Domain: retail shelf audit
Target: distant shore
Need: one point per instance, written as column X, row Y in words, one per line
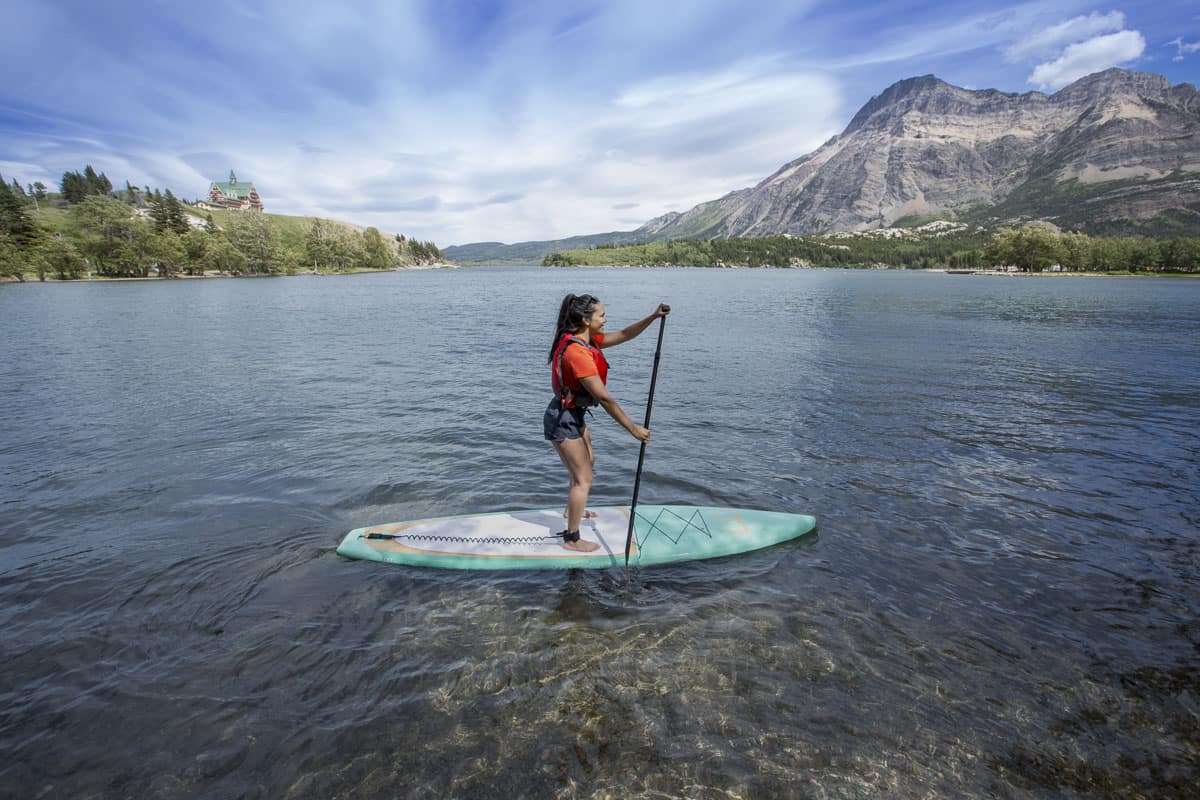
column 219, row 275
column 931, row 270
column 443, row 265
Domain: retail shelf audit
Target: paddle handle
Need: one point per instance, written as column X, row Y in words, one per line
column 637, row 480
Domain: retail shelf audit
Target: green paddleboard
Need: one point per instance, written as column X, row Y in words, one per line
column 526, row 539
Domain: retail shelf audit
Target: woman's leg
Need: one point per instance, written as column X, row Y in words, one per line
column 591, row 457
column 575, row 456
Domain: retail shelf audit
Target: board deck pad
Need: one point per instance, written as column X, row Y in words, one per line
column 527, row 540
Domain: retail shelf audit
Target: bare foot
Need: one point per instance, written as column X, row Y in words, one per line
column 583, row 546
column 587, row 514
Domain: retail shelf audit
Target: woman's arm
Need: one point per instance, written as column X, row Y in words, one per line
column 625, row 334
column 599, row 393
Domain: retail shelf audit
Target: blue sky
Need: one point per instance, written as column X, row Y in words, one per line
column 462, row 120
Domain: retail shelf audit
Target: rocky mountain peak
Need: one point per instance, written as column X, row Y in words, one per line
column 1114, row 81
column 925, row 147
column 926, row 93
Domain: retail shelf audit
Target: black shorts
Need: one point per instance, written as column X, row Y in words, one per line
column 563, row 423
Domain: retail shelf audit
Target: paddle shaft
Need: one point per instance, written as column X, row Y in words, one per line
column 637, row 481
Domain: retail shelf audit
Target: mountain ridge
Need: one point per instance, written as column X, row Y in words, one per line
column 1117, row 150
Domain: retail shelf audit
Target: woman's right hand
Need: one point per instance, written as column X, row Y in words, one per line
column 640, row 433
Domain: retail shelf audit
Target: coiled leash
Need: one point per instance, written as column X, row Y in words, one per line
column 566, row 536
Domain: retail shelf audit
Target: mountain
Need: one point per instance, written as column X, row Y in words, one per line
column 1114, row 152
column 1111, row 147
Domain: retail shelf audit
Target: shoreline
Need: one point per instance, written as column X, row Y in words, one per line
column 226, row 276
column 444, row 265
column 932, row 270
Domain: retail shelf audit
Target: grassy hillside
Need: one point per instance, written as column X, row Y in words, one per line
column 114, row 235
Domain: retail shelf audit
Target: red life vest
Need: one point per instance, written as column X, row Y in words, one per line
column 570, row 392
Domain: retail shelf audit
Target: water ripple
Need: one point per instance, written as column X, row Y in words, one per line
column 1000, row 600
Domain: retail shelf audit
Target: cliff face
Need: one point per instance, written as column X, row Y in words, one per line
column 1114, row 145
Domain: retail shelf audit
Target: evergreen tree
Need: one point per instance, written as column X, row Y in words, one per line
column 97, row 184
column 210, row 224
column 176, row 216
column 74, row 187
column 160, row 213
column 15, row 223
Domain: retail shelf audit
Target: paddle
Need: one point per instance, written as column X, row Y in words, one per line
column 637, row 481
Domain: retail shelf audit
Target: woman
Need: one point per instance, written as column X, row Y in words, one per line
column 579, row 371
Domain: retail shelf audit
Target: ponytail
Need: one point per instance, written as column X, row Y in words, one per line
column 571, row 315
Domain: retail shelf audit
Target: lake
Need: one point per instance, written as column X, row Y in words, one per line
column 1002, row 598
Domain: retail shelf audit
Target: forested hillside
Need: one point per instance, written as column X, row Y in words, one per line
column 1031, row 248
column 88, row 229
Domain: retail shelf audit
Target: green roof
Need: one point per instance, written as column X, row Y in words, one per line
column 239, row 189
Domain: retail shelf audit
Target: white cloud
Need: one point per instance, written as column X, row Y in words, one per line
column 1047, row 42
column 1084, row 58
column 1182, row 47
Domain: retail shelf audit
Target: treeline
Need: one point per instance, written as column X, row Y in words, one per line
column 1038, row 248
column 134, row 233
column 1031, row 248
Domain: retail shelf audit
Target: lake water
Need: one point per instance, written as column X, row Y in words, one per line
column 1002, row 599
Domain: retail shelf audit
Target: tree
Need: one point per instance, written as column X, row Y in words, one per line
column 97, row 184
column 377, row 253
column 176, row 216
column 1032, row 248
column 196, row 244
column 167, row 252
column 159, row 213
column 291, row 260
column 251, row 234
column 1076, row 251
column 416, row 251
column 1144, row 255
column 1036, row 248
column 62, row 258
column 104, row 226
column 137, row 253
column 74, row 187
column 318, row 244
column 12, row 260
column 1181, row 255
column 345, row 248
column 15, row 222
column 223, row 257
column 210, row 224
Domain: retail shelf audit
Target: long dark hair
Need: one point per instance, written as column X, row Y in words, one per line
column 575, row 309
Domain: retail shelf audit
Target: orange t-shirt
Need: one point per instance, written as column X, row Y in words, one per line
column 579, row 364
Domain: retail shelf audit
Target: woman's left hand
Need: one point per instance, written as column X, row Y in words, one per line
column 662, row 310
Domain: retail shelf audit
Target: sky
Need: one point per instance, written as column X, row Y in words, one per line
column 461, row 121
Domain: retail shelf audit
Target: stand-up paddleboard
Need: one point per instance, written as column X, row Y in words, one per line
column 528, row 540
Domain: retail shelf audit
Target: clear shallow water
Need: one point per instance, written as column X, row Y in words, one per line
column 1002, row 599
